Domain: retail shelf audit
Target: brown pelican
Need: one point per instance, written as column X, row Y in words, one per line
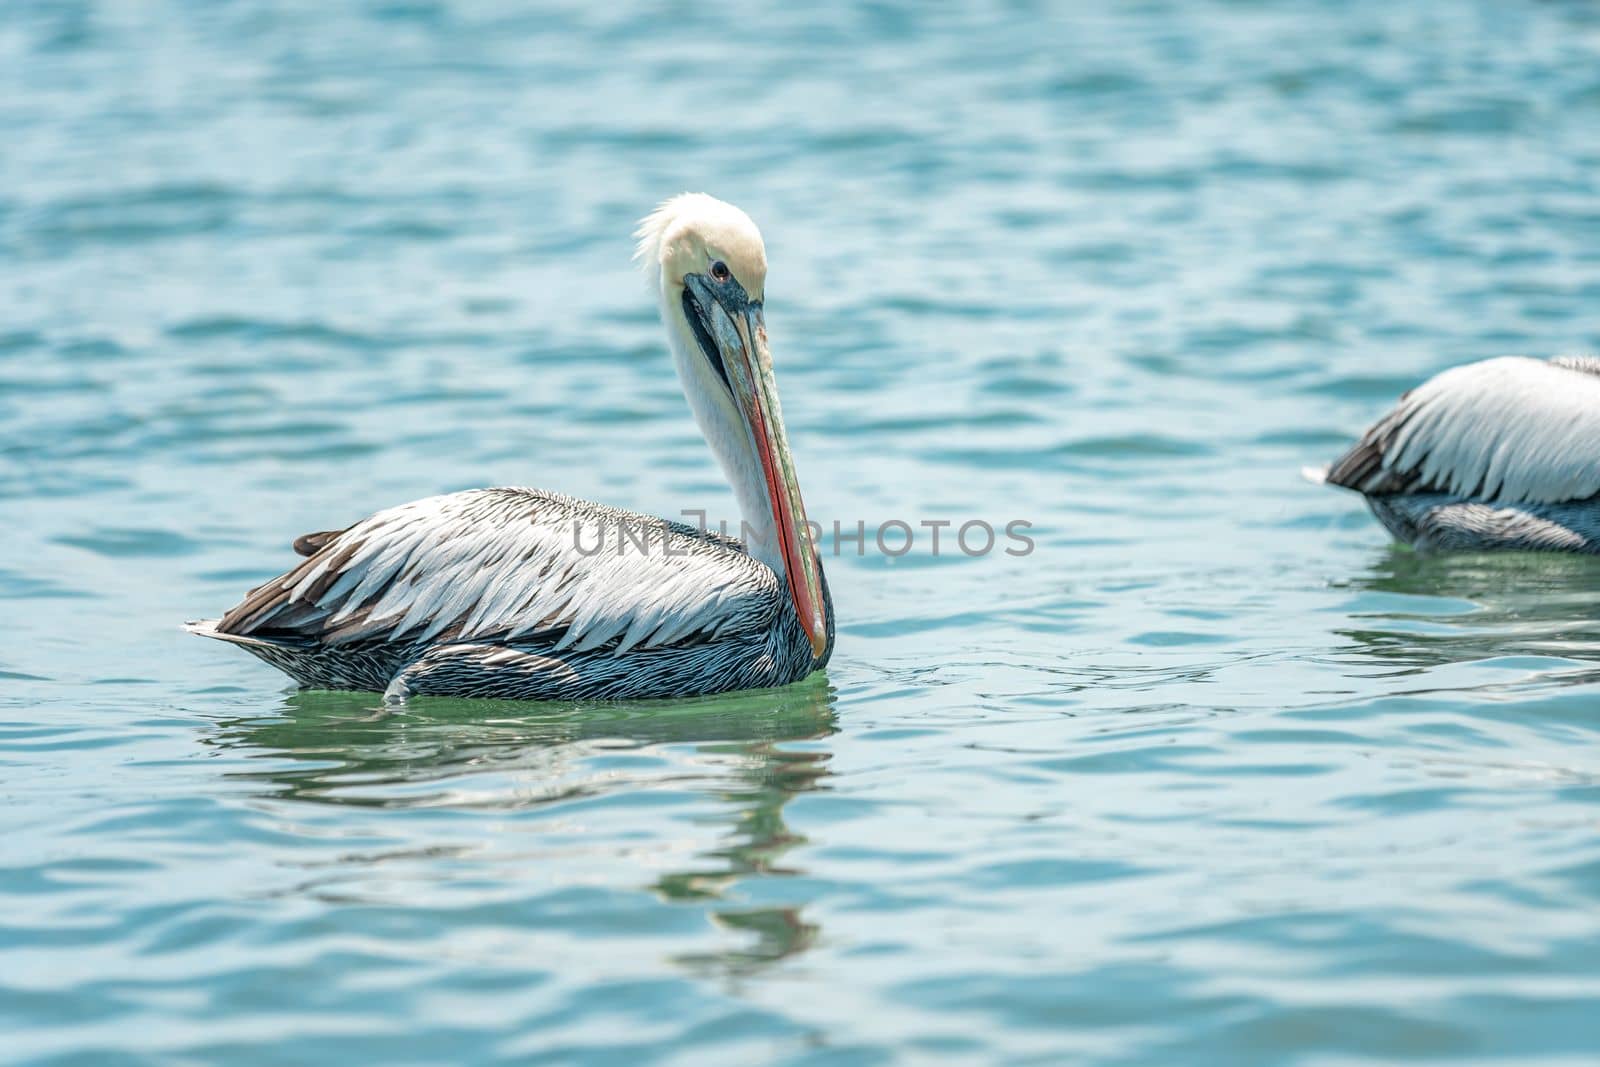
column 525, row 594
column 1502, row 454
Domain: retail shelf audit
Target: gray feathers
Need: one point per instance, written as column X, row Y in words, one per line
column 517, row 592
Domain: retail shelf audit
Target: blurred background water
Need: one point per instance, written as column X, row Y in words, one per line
column 1215, row 775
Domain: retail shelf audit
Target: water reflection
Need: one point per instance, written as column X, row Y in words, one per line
column 1419, row 611
column 736, row 750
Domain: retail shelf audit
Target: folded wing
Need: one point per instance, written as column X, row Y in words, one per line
column 1514, row 429
column 512, row 565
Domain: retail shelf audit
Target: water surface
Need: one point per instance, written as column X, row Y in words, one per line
column 1214, row 775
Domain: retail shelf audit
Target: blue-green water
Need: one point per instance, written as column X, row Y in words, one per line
column 1214, row 776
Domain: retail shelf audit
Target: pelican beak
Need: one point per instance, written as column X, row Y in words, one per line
column 737, row 330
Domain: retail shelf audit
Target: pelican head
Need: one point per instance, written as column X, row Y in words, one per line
column 709, row 268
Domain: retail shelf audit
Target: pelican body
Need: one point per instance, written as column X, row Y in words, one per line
column 1501, row 454
column 525, row 594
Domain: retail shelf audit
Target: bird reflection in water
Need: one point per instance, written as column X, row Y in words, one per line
column 1418, row 611
column 737, row 750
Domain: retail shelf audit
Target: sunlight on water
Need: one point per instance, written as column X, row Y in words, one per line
column 1213, row 775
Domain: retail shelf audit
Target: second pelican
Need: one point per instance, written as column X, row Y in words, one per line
column 1502, row 454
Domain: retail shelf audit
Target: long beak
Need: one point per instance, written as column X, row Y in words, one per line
column 740, row 335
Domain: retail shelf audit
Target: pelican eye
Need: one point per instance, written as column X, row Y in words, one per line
column 720, row 271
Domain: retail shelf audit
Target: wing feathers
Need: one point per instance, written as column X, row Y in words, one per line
column 1513, row 429
column 503, row 564
column 312, row 543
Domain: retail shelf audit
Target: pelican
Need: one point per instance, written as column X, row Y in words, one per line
column 529, row 595
column 1501, row 454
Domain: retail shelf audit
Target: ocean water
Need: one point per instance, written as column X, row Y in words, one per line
column 1214, row 775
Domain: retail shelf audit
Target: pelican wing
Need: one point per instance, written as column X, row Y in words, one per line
column 513, row 565
column 312, row 543
column 1512, row 429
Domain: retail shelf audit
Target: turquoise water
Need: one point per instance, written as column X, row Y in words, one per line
column 1214, row 776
